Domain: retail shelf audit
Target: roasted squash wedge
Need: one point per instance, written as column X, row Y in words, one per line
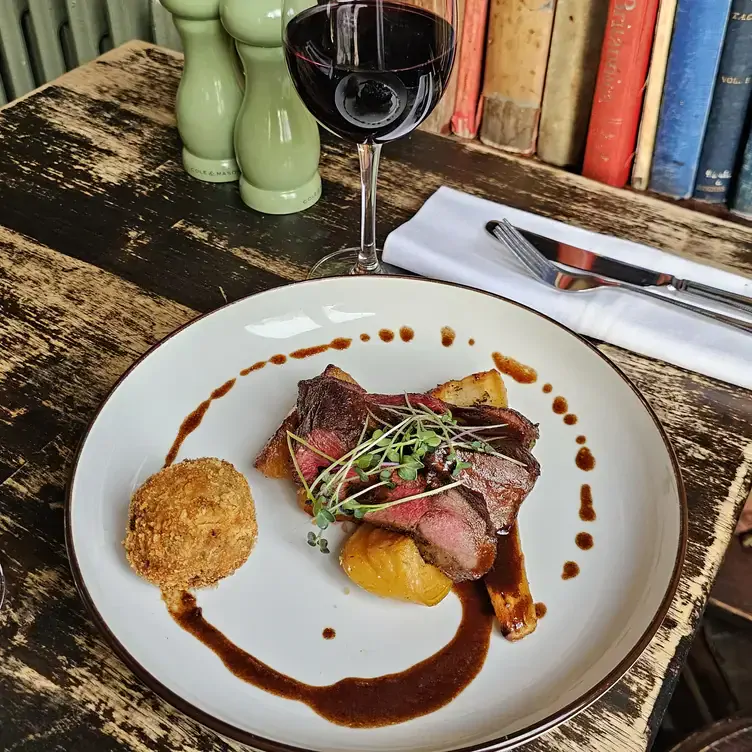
column 389, row 564
column 484, row 388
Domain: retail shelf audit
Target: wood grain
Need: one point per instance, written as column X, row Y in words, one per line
column 106, row 245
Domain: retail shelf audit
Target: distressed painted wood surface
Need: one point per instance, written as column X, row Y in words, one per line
column 106, row 246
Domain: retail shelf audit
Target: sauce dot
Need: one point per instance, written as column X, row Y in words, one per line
column 406, row 333
column 547, row 388
column 584, row 459
column 584, row 541
column 518, row 371
column 328, row 633
column 471, row 342
column 571, row 569
column 365, row 337
column 278, row 360
column 340, row 343
column 386, row 335
column 447, row 336
column 540, row 610
column 581, row 439
column 559, row 405
column 570, row 419
column 587, row 511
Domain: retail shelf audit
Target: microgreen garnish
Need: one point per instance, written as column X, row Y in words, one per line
column 393, row 449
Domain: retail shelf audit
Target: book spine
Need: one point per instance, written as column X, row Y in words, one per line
column 466, row 116
column 440, row 120
column 570, row 80
column 664, row 26
column 618, row 90
column 742, row 201
column 728, row 112
column 699, row 28
column 519, row 35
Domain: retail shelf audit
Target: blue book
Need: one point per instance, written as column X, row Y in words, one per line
column 699, row 28
column 742, row 203
column 729, row 109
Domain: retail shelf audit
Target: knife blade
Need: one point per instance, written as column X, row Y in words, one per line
column 588, row 261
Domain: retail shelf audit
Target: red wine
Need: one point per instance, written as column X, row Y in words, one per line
column 370, row 71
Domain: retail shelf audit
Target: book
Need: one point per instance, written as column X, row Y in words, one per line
column 742, row 200
column 699, row 28
column 651, row 105
column 440, row 120
column 467, row 111
column 617, row 101
column 570, row 80
column 519, row 35
column 728, row 112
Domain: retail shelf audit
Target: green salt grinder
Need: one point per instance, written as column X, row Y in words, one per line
column 276, row 138
column 210, row 92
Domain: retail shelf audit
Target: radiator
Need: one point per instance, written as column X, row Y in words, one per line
column 41, row 39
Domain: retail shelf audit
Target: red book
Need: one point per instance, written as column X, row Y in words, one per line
column 466, row 117
column 625, row 56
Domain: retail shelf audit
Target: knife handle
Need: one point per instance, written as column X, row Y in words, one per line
column 739, row 302
column 729, row 320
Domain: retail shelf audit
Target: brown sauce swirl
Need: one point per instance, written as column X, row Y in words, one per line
column 518, row 371
column 560, row 405
column 328, row 633
column 193, row 420
column 447, row 336
column 540, row 610
column 587, row 511
column 581, row 439
column 570, row 419
column 584, row 459
column 278, row 360
column 571, row 570
column 406, row 333
column 255, row 367
column 365, row 337
column 386, row 335
column 365, row 702
column 547, row 388
column 584, row 541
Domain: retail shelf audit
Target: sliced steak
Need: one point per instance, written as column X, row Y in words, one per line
column 451, row 528
column 331, row 415
column 517, row 426
column 501, row 483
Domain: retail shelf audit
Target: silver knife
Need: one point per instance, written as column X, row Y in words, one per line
column 588, row 261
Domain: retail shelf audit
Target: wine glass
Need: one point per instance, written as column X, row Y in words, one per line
column 370, row 71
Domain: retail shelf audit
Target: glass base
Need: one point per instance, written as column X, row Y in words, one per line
column 342, row 263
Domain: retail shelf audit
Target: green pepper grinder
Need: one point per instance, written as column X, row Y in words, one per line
column 210, row 92
column 276, row 138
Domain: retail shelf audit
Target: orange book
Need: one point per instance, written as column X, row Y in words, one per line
column 466, row 117
column 617, row 103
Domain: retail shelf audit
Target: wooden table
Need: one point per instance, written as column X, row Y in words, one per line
column 106, row 246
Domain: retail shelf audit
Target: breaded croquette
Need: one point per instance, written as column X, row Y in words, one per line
column 191, row 524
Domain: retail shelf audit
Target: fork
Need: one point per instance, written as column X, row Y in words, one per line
column 574, row 280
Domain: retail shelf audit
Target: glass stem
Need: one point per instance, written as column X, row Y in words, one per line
column 368, row 261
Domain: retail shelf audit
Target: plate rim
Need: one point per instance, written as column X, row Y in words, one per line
column 254, row 741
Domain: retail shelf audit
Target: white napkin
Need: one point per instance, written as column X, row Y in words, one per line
column 447, row 240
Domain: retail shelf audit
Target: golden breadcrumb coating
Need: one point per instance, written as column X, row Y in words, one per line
column 191, row 524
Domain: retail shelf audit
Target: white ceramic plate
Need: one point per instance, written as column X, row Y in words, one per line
column 278, row 603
